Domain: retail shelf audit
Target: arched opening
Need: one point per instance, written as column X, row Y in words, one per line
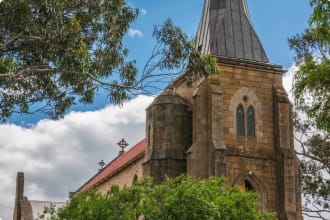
column 248, row 187
column 135, row 179
column 253, row 125
column 251, row 132
column 248, row 182
column 240, row 120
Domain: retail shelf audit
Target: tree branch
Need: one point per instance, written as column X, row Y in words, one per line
column 10, row 41
column 47, row 69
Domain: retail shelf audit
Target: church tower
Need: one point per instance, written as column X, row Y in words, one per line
column 241, row 121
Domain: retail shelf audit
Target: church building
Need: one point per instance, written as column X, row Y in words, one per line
column 237, row 125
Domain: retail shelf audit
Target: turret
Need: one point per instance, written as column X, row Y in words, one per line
column 168, row 132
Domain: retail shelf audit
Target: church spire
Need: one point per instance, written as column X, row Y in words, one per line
column 226, row 30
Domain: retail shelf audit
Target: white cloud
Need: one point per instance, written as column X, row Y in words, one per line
column 59, row 156
column 134, row 32
column 143, row 11
column 288, row 80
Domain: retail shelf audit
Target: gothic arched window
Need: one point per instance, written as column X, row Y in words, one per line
column 240, row 120
column 248, row 187
column 135, row 179
column 250, row 122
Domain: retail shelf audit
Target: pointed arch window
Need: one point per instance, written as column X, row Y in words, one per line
column 135, row 179
column 251, row 122
column 248, row 186
column 240, row 120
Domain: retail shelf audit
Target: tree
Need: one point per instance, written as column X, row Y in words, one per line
column 55, row 53
column 312, row 97
column 179, row 198
column 314, row 151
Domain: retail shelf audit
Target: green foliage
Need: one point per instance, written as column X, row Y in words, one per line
column 200, row 66
column 312, row 91
column 53, row 51
column 6, row 65
column 312, row 81
column 56, row 53
column 49, row 212
column 176, row 199
column 315, row 166
column 175, row 52
column 320, row 19
column 312, row 96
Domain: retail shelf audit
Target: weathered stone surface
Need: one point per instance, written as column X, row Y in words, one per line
column 254, row 159
column 197, row 135
column 194, row 130
column 168, row 136
column 124, row 177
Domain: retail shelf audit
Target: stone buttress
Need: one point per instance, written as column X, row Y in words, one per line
column 237, row 125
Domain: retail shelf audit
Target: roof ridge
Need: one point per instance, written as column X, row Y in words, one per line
column 114, row 165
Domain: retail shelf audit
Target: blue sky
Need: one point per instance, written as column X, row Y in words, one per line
column 69, row 149
column 274, row 21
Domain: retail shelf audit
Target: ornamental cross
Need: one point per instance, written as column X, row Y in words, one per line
column 122, row 144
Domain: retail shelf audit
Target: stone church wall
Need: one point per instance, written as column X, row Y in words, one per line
column 124, row 177
column 255, row 156
column 257, row 85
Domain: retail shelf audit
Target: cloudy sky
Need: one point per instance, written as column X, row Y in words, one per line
column 59, row 156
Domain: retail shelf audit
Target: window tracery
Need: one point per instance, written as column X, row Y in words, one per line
column 246, row 112
column 245, row 121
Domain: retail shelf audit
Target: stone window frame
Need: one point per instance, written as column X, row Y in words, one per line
column 250, row 100
column 257, row 186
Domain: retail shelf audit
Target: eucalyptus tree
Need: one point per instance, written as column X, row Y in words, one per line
column 312, row 97
column 55, row 53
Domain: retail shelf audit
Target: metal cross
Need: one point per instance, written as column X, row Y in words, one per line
column 245, row 98
column 122, row 144
column 101, row 164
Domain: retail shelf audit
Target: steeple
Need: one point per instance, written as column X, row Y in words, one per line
column 226, row 30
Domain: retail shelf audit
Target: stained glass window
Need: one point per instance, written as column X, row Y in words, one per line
column 250, row 122
column 240, row 120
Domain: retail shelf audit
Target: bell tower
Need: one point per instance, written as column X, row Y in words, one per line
column 237, row 125
column 242, row 120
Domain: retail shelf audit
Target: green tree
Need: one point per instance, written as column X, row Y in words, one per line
column 312, row 97
column 55, row 53
column 177, row 199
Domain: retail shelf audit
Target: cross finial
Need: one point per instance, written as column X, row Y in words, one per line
column 101, row 164
column 122, row 144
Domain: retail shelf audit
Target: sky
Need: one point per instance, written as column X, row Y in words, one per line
column 59, row 156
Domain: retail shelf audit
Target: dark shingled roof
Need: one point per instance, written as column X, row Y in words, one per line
column 226, row 30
